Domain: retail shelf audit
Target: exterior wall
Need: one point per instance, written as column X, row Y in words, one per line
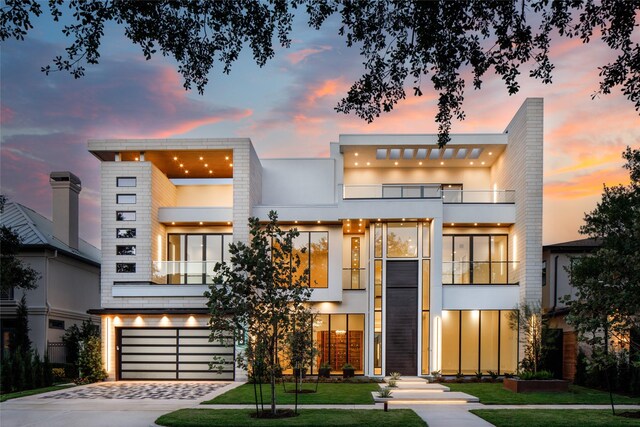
column 471, row 178
column 298, row 182
column 204, row 195
column 163, row 193
column 520, row 169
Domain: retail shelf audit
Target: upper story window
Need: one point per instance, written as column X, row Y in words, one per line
column 126, row 182
column 475, row 259
column 126, row 216
column 125, row 233
column 125, row 249
column 125, row 267
column 126, row 199
column 193, row 257
column 402, row 240
column 315, row 257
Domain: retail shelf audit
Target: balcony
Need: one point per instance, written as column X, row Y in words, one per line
column 480, row 273
column 427, row 191
column 183, row 272
column 354, row 278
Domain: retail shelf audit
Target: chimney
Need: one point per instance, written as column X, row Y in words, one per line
column 66, row 188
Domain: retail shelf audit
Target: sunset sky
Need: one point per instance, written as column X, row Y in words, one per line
column 286, row 108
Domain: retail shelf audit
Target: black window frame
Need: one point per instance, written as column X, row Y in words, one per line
column 118, row 230
column 120, row 248
column 471, row 261
column 122, row 266
column 204, row 252
column 135, row 198
column 120, row 216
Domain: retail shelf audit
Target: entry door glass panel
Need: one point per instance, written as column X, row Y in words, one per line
column 194, row 258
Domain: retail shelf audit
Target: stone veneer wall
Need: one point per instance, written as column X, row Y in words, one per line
column 520, row 169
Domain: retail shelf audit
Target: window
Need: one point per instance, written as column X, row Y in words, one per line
column 339, row 339
column 126, row 199
column 193, row 257
column 402, row 240
column 125, row 267
column 125, row 233
column 315, row 256
column 125, row 215
column 126, row 182
column 354, row 275
column 56, row 324
column 478, row 340
column 125, row 250
column 475, row 259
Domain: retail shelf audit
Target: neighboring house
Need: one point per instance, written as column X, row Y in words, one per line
column 69, row 269
column 556, row 284
column 417, row 254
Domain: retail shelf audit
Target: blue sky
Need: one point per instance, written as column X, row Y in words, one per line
column 286, row 108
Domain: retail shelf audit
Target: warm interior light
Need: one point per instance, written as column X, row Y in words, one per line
column 165, row 321
column 137, row 159
column 191, row 321
column 356, row 154
column 490, row 153
column 356, row 163
column 395, row 163
column 296, row 221
column 470, row 163
column 420, row 163
column 498, row 224
column 368, row 163
column 483, row 163
column 442, row 163
column 228, row 222
column 453, row 223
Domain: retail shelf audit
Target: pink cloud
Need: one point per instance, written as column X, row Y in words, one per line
column 302, row 54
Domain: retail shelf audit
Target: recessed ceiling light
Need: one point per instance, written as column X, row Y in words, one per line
column 470, row 163
column 206, row 165
column 356, row 154
column 403, row 219
column 226, row 157
column 490, row 153
column 356, row 163
column 200, row 222
column 475, row 223
column 201, row 158
column 296, row 221
column 453, row 223
column 186, row 171
column 420, row 163
column 175, row 158
column 181, row 165
column 318, row 222
column 395, row 163
column 442, row 163
column 173, row 223
column 230, row 165
column 498, row 223
column 482, row 163
column 210, row 172
column 379, row 219
column 137, row 159
column 368, row 163
column 228, row 222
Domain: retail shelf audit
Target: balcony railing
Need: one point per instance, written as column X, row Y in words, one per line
column 183, row 272
column 354, row 278
column 480, row 272
column 427, row 191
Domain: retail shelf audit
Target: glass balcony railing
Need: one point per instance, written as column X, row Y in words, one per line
column 480, row 273
column 183, row 272
column 427, row 191
column 354, row 278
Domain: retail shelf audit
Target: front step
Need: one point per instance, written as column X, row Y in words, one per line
column 417, row 385
column 427, row 397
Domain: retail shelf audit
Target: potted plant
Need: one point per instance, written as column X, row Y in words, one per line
column 325, row 370
column 348, row 371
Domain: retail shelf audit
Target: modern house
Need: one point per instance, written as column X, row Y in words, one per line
column 556, row 284
column 69, row 269
column 417, row 254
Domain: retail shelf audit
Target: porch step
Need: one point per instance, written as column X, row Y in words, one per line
column 426, row 396
column 417, row 385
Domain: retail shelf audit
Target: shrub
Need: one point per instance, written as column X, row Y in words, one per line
column 47, row 375
column 479, row 375
column 37, row 373
column 395, row 375
column 540, row 375
column 74, row 336
column 58, row 374
column 581, row 369
column 392, row 383
column 385, row 392
column 90, row 361
column 493, row 375
column 7, row 372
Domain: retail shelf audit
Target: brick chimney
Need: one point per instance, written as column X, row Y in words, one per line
column 66, row 188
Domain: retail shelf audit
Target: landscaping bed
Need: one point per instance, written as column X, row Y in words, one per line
column 306, row 417
column 328, row 393
column 494, row 394
column 554, row 417
column 527, row 386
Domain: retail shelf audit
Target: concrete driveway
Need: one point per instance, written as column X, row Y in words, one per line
column 122, row 404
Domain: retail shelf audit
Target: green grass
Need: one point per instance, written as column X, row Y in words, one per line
column 328, row 394
column 24, row 393
column 307, row 417
column 494, row 394
column 554, row 417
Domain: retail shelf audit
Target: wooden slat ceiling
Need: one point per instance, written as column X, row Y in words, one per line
column 188, row 164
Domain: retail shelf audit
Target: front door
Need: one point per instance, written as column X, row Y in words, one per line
column 402, row 317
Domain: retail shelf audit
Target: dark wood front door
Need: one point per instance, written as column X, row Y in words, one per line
column 402, row 317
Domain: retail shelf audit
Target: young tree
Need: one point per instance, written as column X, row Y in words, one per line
column 402, row 42
column 19, row 341
column 74, row 336
column 606, row 308
column 261, row 292
column 13, row 272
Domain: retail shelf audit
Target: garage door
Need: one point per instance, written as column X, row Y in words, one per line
column 171, row 354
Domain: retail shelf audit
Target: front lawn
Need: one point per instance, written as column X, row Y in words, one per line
column 494, row 394
column 24, row 393
column 554, row 417
column 328, row 394
column 307, row 417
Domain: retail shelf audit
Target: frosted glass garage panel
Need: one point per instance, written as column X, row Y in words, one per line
column 194, row 333
column 194, row 367
column 210, row 375
column 147, row 357
column 149, row 367
column 196, row 341
column 148, row 341
column 204, row 350
column 149, row 332
column 148, row 349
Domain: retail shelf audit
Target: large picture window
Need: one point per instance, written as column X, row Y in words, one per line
column 402, row 240
column 339, row 339
column 192, row 257
column 475, row 260
column 478, row 340
column 315, row 256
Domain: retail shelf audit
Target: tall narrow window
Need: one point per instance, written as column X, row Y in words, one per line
column 377, row 240
column 355, row 264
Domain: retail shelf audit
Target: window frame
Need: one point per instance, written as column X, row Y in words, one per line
column 126, row 237
column 120, row 266
column 120, row 180
column 121, row 247
column 121, row 213
column 450, row 258
column 120, row 197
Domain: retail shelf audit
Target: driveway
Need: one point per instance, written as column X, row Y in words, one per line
column 122, row 404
